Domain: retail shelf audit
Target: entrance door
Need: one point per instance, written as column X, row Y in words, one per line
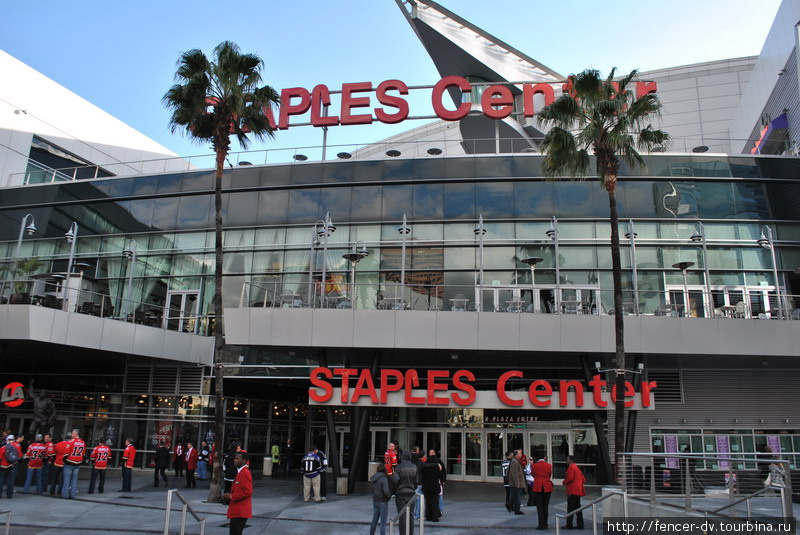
column 380, row 443
column 465, row 455
column 497, row 444
column 181, row 312
column 555, row 446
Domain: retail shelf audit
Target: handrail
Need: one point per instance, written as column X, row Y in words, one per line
column 8, row 521
column 407, row 511
column 740, row 500
column 186, row 508
column 593, row 505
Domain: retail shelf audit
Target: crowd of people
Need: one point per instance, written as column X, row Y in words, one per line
column 535, row 478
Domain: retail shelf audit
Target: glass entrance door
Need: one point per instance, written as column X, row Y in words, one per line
column 554, row 446
column 181, row 312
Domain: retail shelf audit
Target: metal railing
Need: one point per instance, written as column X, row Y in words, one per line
column 575, row 299
column 7, row 529
column 418, row 498
column 44, row 293
column 651, row 475
column 185, row 508
column 593, row 506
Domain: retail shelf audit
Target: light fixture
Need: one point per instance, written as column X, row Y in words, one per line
column 70, row 235
column 300, row 157
column 700, row 148
column 241, row 163
column 393, row 153
column 344, row 155
column 434, row 151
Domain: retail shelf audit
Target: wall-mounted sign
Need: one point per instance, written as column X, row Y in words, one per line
column 455, row 388
column 363, row 102
column 13, row 395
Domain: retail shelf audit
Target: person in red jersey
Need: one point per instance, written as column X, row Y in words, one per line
column 35, row 456
column 72, row 464
column 191, row 465
column 240, row 499
column 99, row 458
column 390, row 459
column 60, row 452
column 49, row 455
column 128, row 457
column 573, row 481
column 10, row 454
column 542, row 489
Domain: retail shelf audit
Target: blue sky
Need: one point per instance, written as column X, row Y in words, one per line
column 121, row 55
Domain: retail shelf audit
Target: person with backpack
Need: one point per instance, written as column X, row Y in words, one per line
column 10, row 454
column 310, row 466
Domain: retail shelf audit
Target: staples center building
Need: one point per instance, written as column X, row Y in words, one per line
column 432, row 289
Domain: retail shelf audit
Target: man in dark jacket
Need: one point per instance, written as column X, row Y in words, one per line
column 405, row 479
column 516, row 480
column 504, row 465
column 381, row 494
column 161, row 463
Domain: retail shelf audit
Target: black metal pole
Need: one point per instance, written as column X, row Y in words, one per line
column 333, row 438
column 599, row 429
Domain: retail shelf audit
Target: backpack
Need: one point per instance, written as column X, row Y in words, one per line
column 12, row 454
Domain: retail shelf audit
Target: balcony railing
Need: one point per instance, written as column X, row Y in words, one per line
column 567, row 299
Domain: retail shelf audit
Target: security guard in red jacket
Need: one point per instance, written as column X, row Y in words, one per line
column 574, row 480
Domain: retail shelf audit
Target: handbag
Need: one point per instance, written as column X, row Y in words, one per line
column 768, row 481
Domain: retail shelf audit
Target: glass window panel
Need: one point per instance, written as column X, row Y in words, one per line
column 273, row 207
column 427, row 258
column 459, row 201
column 367, row 171
column 245, row 176
column 238, row 238
column 337, row 202
column 303, row 206
column 306, row 173
column 296, row 260
column 578, row 197
column 142, row 211
column 145, row 185
column 788, row 231
column 267, row 261
column 270, row 236
column 398, row 169
column 190, row 241
column 237, row 262
column 159, row 242
column 428, row 201
column 750, row 200
column 120, row 187
column 720, row 231
column 749, row 231
column 460, row 258
column 577, row 257
column 195, row 212
column 397, row 200
column 581, row 231
column 337, row 172
column 495, row 200
column 493, row 167
column 459, row 231
column 460, row 167
column 715, row 200
column 242, row 208
column 724, row 258
column 299, row 236
column 198, row 181
column 370, row 234
column 155, row 266
column 430, row 168
column 431, row 232
column 366, row 202
column 533, row 199
column 498, row 258
column 187, row 265
column 756, row 258
column 169, row 183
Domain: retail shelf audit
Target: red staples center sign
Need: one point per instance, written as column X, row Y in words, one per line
column 454, row 389
column 363, row 102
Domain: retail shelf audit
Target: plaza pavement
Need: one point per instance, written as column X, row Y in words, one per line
column 278, row 508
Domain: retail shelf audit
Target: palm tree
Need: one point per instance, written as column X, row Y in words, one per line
column 602, row 116
column 211, row 100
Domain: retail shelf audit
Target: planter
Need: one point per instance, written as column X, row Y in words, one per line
column 19, row 299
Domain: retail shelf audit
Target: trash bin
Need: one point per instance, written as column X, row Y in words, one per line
column 371, row 469
column 267, row 470
column 341, row 486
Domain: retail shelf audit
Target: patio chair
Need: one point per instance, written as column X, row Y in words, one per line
column 741, row 310
column 628, row 306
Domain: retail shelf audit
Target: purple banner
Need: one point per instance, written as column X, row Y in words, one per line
column 723, row 447
column 671, row 446
column 774, row 443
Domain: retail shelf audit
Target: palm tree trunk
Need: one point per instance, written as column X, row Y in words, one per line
column 619, row 332
column 214, row 491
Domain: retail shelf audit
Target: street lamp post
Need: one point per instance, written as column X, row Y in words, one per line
column 683, row 266
column 532, row 261
column 404, row 230
column 552, row 233
column 631, row 235
column 130, row 254
column 324, row 233
column 700, row 236
column 479, row 232
column 72, row 238
column 30, row 228
column 354, row 257
column 766, row 242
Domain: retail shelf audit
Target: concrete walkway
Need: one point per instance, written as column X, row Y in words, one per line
column 278, row 508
